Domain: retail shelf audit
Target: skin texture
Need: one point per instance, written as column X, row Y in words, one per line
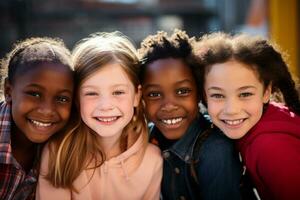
column 41, row 101
column 235, row 97
column 170, row 95
column 107, row 100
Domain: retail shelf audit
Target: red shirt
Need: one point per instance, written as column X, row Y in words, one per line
column 271, row 153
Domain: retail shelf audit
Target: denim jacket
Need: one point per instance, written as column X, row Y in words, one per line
column 216, row 165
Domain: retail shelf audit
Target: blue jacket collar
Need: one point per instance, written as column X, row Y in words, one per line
column 184, row 147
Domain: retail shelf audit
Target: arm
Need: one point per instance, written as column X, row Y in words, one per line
column 45, row 190
column 219, row 170
column 153, row 190
column 277, row 164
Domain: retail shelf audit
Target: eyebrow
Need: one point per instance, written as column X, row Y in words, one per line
column 146, row 86
column 214, row 88
column 184, row 81
column 112, row 86
column 247, row 87
column 241, row 88
column 158, row 85
column 43, row 88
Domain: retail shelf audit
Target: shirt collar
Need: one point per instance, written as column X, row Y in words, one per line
column 183, row 148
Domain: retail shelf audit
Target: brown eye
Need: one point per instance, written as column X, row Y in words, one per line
column 63, row 99
column 183, row 91
column 154, row 94
column 246, row 94
column 118, row 92
column 34, row 94
column 217, row 96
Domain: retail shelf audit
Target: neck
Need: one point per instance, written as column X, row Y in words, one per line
column 19, row 140
column 111, row 146
column 23, row 149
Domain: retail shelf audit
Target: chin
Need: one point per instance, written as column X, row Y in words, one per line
column 234, row 136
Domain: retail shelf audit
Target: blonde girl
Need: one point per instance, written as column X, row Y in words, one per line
column 105, row 154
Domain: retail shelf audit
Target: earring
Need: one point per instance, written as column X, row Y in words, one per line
column 134, row 118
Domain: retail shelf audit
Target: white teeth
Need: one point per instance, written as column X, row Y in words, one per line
column 172, row 121
column 234, row 122
column 107, row 119
column 37, row 123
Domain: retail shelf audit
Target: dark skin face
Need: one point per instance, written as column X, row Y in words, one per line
column 41, row 99
column 170, row 95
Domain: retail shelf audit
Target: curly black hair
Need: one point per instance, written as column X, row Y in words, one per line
column 161, row 46
column 262, row 56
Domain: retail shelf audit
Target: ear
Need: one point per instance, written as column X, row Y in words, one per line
column 267, row 93
column 138, row 96
column 7, row 90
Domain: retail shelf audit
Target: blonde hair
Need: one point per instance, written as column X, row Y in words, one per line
column 79, row 147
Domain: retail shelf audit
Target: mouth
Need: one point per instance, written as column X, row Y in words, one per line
column 107, row 120
column 233, row 123
column 172, row 121
column 40, row 124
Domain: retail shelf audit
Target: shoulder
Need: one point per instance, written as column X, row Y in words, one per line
column 44, row 159
column 153, row 150
column 217, row 145
column 273, row 153
column 217, row 141
column 272, row 145
column 153, row 154
column 278, row 112
column 218, row 150
column 274, row 158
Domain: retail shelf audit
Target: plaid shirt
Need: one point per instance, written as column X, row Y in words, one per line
column 15, row 184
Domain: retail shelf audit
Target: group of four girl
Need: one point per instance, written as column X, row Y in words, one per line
column 78, row 125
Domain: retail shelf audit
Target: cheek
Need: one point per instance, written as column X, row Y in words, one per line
column 85, row 107
column 65, row 111
column 22, row 106
column 255, row 109
column 127, row 105
column 213, row 109
column 150, row 109
column 192, row 107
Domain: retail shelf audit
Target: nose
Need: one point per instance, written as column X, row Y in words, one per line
column 105, row 103
column 232, row 107
column 169, row 104
column 47, row 107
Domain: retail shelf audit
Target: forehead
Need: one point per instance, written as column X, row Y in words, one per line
column 232, row 73
column 46, row 75
column 43, row 69
column 112, row 73
column 167, row 70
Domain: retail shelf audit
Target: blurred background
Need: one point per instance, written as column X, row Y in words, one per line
column 72, row 20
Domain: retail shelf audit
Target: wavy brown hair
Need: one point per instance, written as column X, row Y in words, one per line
column 259, row 54
column 79, row 149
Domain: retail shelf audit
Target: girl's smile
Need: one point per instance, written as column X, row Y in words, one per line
column 107, row 99
column 234, row 124
column 235, row 97
column 170, row 95
column 41, row 106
